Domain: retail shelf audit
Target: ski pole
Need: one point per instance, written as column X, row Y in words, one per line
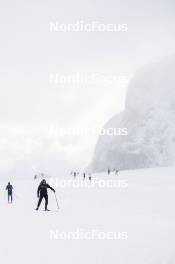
column 56, row 201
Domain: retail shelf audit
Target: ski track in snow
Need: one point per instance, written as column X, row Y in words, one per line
column 144, row 210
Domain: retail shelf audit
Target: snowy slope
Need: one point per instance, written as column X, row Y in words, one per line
column 149, row 117
column 142, row 207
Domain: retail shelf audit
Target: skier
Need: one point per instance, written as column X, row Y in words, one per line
column 75, row 174
column 116, row 172
column 9, row 189
column 42, row 193
column 84, row 176
column 109, row 171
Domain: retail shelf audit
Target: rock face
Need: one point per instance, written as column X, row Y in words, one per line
column 149, row 117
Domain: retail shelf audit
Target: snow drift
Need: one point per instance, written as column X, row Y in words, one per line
column 149, row 116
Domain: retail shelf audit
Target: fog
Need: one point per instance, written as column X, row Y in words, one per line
column 34, row 107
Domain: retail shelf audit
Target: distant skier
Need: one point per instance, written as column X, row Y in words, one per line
column 9, row 189
column 116, row 172
column 90, row 178
column 42, row 193
column 84, row 176
column 75, row 174
column 109, row 171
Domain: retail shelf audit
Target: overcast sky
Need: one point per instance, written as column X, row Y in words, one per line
column 30, row 54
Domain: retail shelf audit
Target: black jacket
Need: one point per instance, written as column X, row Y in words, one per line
column 42, row 189
column 9, row 188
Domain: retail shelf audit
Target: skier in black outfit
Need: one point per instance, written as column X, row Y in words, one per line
column 9, row 189
column 116, row 172
column 42, row 193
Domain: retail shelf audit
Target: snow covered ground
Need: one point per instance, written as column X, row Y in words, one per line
column 141, row 206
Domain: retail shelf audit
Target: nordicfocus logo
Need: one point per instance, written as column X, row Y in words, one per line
column 94, row 183
column 81, row 26
column 78, row 78
column 55, row 131
column 81, row 234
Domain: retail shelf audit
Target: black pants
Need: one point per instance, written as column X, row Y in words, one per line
column 40, row 200
column 10, row 197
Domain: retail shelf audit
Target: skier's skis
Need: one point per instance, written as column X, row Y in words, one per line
column 46, row 210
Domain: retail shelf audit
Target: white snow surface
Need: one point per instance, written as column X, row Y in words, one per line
column 149, row 117
column 144, row 209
